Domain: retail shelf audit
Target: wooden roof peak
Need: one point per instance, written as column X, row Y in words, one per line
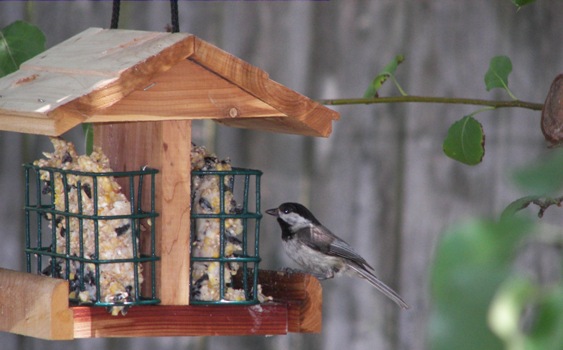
column 109, row 75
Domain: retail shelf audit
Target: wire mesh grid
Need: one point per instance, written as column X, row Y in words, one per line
column 72, row 234
column 225, row 231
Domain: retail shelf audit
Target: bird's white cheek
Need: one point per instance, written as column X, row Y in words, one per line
column 295, row 221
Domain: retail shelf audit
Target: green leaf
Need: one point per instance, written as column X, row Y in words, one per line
column 19, row 42
column 544, row 177
column 517, row 205
column 507, row 308
column 542, row 202
column 520, row 3
column 88, row 137
column 388, row 71
column 497, row 74
column 471, row 262
column 465, row 141
column 547, row 330
column 544, row 329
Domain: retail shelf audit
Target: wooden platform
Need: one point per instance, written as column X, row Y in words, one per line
column 46, row 314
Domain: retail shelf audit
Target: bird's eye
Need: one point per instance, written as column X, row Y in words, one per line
column 286, row 210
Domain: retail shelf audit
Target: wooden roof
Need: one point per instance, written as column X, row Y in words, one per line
column 103, row 75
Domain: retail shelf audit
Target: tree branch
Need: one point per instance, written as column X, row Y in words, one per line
column 428, row 99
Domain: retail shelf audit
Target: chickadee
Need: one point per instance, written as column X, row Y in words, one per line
column 320, row 252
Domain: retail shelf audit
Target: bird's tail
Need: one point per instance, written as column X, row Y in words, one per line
column 379, row 285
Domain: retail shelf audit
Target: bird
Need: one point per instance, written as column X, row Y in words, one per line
column 320, row 252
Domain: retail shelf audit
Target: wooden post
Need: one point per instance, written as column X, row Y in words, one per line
column 166, row 146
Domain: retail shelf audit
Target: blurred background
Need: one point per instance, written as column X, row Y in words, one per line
column 380, row 181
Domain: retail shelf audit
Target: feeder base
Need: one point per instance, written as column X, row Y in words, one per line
column 296, row 307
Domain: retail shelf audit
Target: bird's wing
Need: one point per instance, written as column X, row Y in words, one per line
column 320, row 238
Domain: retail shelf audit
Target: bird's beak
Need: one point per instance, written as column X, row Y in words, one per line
column 273, row 212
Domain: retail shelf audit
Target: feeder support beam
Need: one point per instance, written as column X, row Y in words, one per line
column 165, row 146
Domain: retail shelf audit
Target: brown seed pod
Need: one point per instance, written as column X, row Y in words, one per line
column 552, row 113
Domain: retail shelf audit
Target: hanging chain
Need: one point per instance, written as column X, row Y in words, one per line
column 174, row 13
column 173, row 10
column 115, row 14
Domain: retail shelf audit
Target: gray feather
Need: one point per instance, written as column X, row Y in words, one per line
column 322, row 239
column 379, row 285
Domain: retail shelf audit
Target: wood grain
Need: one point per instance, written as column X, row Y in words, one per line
column 57, row 89
column 188, row 320
column 296, row 308
column 44, row 313
column 34, row 305
column 174, row 48
column 103, row 75
column 164, row 146
column 187, row 90
column 303, row 295
column 306, row 117
column 301, row 292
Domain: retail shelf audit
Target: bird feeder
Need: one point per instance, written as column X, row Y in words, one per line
column 141, row 90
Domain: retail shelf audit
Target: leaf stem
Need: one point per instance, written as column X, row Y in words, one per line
column 398, row 86
column 483, row 109
column 507, row 89
column 430, row 99
column 511, row 94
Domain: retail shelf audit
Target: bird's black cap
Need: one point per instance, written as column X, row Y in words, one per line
column 291, row 207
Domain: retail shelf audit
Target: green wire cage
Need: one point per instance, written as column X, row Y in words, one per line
column 79, row 226
column 225, row 229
